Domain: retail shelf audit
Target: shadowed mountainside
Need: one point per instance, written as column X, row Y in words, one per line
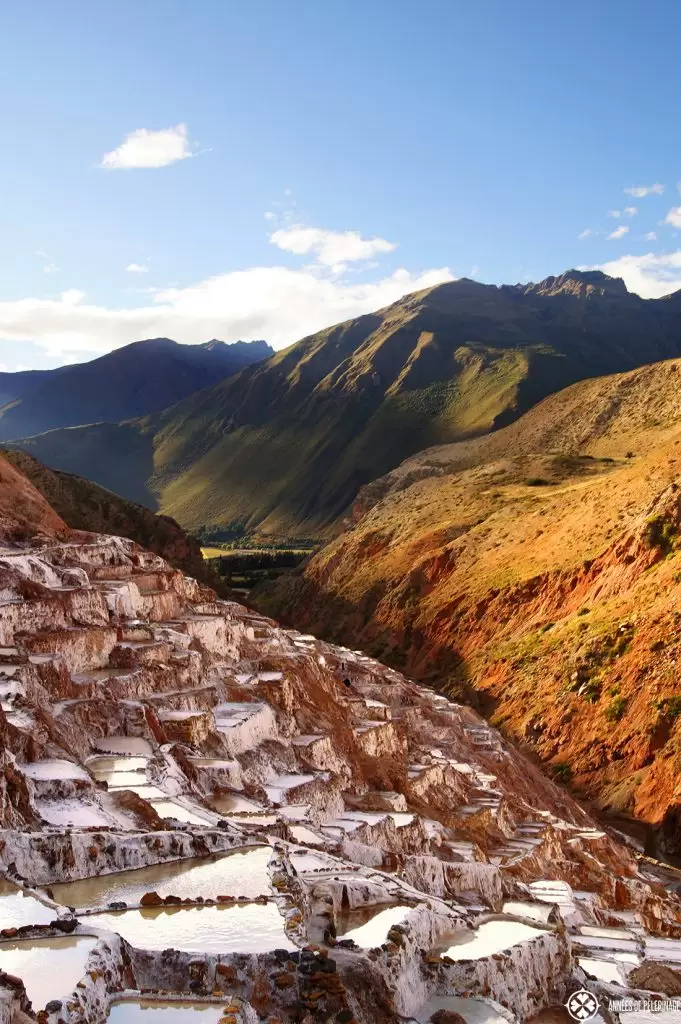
column 283, row 447
column 131, row 381
column 537, row 572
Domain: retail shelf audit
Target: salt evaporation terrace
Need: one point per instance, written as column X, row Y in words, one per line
column 208, row 817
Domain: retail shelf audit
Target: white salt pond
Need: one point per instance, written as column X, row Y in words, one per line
column 491, row 937
column 149, row 1012
column 369, row 926
column 46, row 771
column 171, row 809
column 119, row 772
column 251, row 928
column 234, row 803
column 473, row 1010
column 241, row 873
column 18, row 908
column 604, row 970
column 49, row 968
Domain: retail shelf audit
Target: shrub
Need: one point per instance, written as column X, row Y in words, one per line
column 615, row 709
column 537, row 481
column 562, row 772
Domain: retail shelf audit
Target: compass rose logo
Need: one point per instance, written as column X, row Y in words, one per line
column 582, row 1005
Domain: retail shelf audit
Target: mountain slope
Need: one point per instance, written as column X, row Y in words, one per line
column 84, row 506
column 131, row 381
column 537, row 572
column 283, row 447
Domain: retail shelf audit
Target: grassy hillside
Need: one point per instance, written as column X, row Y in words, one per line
column 283, row 447
column 537, row 573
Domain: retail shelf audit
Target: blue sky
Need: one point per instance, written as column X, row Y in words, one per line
column 392, row 144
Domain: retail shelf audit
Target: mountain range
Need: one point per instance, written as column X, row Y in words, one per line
column 134, row 380
column 283, row 446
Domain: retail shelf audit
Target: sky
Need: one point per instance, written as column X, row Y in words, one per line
column 265, row 169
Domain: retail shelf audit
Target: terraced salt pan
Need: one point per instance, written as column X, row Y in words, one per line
column 46, row 771
column 491, row 937
column 250, row 928
column 239, row 873
column 147, row 1012
column 533, row 911
column 473, row 1011
column 18, row 908
column 369, row 926
column 234, row 803
column 279, row 787
column 604, row 970
column 49, row 968
column 305, row 836
column 72, row 812
column 171, row 809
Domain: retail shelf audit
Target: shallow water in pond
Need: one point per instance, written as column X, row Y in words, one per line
column 255, row 928
column 369, row 926
column 234, row 803
column 491, row 937
column 119, row 771
column 242, row 873
column 473, row 1011
column 18, row 908
column 49, row 968
column 172, row 809
column 148, row 1012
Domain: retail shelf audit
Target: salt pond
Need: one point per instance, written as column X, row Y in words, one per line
column 49, row 968
column 251, row 928
column 18, row 908
column 148, row 1012
column 234, row 803
column 369, row 926
column 491, row 937
column 241, row 873
column 473, row 1011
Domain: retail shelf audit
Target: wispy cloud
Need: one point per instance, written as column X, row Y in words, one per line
column 641, row 191
column 650, row 236
column 137, row 268
column 630, row 211
column 50, row 268
column 674, row 217
column 332, row 248
column 585, row 234
column 148, row 149
column 618, row 232
column 649, row 275
column 614, row 213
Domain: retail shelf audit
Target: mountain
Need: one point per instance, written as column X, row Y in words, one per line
column 131, row 381
column 84, row 506
column 284, row 446
column 536, row 572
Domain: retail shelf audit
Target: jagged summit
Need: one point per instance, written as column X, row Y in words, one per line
column 579, row 283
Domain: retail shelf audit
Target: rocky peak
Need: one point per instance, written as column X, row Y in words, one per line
column 578, row 283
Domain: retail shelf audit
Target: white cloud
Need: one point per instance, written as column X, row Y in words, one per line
column 137, row 268
column 650, row 275
column 619, row 232
column 640, row 191
column 674, row 217
column 144, row 148
column 614, row 213
column 630, row 211
column 276, row 303
column 585, row 234
column 332, row 248
column 651, row 236
column 50, row 268
column 270, row 216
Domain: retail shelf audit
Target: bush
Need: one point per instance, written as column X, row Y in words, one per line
column 537, row 481
column 616, row 709
column 562, row 772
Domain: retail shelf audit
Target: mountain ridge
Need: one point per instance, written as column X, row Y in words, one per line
column 283, row 447
column 134, row 380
